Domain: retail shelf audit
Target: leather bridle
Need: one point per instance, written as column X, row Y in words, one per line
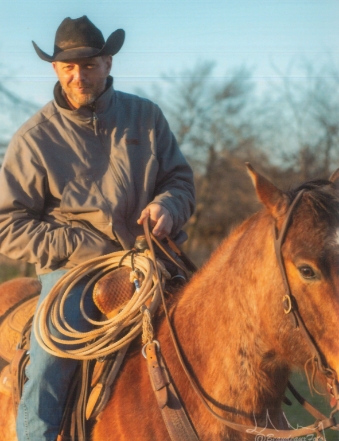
column 290, row 307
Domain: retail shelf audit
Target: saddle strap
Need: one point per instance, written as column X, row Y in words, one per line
column 67, row 430
column 174, row 415
column 63, row 438
column 17, row 369
column 82, row 401
column 101, row 391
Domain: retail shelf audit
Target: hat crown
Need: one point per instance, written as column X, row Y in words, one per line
column 79, row 38
column 75, row 33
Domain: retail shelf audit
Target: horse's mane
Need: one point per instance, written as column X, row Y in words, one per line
column 322, row 197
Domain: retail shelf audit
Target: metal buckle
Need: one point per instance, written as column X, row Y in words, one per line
column 143, row 351
column 289, row 303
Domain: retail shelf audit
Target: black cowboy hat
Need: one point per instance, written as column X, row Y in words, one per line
column 80, row 38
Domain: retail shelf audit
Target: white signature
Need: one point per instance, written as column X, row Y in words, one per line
column 259, row 436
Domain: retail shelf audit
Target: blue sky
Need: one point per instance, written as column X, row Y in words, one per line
column 168, row 36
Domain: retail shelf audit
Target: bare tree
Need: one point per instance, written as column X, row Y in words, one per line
column 301, row 120
column 14, row 111
column 212, row 120
column 290, row 133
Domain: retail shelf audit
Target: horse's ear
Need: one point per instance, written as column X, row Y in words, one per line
column 274, row 199
column 335, row 178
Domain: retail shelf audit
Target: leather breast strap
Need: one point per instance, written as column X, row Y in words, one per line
column 176, row 420
column 179, row 426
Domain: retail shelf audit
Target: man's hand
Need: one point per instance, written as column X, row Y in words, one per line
column 161, row 219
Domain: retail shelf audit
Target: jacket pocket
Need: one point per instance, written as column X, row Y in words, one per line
column 83, row 205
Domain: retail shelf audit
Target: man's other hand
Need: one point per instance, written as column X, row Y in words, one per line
column 160, row 217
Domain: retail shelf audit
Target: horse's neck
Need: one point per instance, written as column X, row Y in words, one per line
column 225, row 325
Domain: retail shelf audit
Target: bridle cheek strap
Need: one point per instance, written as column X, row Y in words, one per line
column 279, row 238
column 291, row 306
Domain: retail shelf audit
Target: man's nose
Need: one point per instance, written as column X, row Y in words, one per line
column 78, row 73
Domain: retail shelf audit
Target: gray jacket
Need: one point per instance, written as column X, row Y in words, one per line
column 74, row 182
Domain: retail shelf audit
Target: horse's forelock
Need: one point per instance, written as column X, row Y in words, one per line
column 334, row 240
column 323, row 198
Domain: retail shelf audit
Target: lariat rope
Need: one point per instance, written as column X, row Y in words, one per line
column 106, row 336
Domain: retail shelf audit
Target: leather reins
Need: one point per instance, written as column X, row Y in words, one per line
column 288, row 298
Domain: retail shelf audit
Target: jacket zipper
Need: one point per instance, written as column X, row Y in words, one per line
column 95, row 123
column 111, row 163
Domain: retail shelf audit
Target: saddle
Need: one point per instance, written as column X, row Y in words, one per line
column 91, row 387
column 110, row 294
column 93, row 381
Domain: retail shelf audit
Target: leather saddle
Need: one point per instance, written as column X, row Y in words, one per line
column 94, row 380
column 110, row 294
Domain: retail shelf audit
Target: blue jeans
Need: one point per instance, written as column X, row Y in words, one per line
column 45, row 393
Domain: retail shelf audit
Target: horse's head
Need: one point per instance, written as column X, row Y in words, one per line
column 308, row 245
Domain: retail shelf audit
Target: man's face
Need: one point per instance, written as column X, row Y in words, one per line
column 83, row 80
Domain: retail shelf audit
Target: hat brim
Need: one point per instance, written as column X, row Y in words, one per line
column 111, row 47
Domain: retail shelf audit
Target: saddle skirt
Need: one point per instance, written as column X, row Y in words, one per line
column 11, row 330
column 12, row 326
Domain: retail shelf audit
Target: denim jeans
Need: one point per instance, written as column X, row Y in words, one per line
column 45, row 393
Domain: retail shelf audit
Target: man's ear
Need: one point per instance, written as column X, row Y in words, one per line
column 268, row 194
column 335, row 178
column 109, row 63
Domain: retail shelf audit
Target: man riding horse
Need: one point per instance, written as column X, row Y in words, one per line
column 78, row 179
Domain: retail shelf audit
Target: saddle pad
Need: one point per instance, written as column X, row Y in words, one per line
column 12, row 325
column 113, row 291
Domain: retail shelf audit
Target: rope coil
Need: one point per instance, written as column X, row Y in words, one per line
column 101, row 340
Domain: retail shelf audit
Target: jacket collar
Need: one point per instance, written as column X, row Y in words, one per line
column 99, row 106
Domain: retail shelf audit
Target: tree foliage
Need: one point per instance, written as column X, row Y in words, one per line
column 302, row 120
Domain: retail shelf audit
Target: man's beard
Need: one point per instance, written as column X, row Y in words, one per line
column 84, row 99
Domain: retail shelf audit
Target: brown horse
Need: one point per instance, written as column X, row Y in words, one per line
column 236, row 339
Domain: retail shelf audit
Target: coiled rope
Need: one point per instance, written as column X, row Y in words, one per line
column 105, row 336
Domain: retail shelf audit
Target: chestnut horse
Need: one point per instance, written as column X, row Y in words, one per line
column 237, row 341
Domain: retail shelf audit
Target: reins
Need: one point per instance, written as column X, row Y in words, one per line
column 318, row 426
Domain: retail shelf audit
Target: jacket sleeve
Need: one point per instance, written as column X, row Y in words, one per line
column 174, row 184
column 23, row 233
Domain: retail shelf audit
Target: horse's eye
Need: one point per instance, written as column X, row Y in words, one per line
column 306, row 272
